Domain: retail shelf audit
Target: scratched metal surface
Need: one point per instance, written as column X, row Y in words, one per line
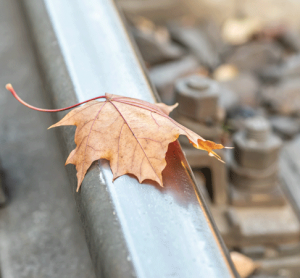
column 132, row 229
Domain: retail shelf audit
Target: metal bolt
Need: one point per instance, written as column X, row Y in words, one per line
column 258, row 129
column 198, row 84
column 198, row 97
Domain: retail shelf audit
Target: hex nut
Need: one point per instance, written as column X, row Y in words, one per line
column 256, row 155
column 198, row 97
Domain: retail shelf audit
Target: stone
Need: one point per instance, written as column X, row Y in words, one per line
column 271, row 74
column 254, row 251
column 238, row 31
column 272, row 31
column 156, row 10
column 197, row 42
column 245, row 86
column 228, row 99
column 286, row 127
column 213, row 32
column 237, row 117
column 244, row 112
column 225, row 72
column 283, row 98
column 290, row 68
column 155, row 44
column 243, row 264
column 255, row 55
column 291, row 39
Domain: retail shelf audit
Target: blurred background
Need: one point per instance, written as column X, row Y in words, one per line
column 234, row 68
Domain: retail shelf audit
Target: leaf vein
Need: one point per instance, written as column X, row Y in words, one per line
column 135, row 138
column 154, row 119
column 119, row 147
column 89, row 137
column 82, row 110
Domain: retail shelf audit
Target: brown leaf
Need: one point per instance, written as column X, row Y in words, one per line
column 132, row 134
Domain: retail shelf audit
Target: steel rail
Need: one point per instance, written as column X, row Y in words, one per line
column 132, row 229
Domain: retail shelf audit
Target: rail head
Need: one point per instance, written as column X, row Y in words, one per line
column 132, row 229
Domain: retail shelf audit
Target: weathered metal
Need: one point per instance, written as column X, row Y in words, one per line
column 215, row 174
column 254, row 168
column 256, row 147
column 199, row 110
column 198, row 97
column 258, row 215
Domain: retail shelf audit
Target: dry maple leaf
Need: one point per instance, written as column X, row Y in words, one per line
column 132, row 134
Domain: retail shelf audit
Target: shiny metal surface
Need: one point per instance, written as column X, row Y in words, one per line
column 96, row 48
column 133, row 230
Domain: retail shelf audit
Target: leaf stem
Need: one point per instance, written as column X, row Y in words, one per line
column 10, row 88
